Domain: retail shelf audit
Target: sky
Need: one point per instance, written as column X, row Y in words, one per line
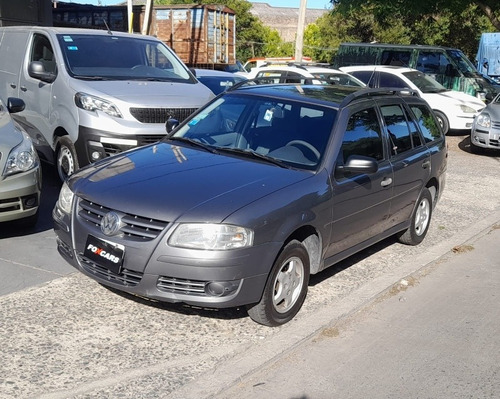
column 321, row 4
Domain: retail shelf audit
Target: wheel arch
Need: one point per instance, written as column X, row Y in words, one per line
column 311, row 239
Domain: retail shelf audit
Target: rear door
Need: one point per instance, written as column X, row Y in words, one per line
column 409, row 157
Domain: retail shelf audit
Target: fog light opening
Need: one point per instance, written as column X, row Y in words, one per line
column 96, row 156
column 221, row 288
column 30, row 202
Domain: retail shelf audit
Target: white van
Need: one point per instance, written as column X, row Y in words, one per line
column 93, row 93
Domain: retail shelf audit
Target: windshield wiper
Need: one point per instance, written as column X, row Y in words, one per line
column 254, row 155
column 85, row 77
column 194, row 143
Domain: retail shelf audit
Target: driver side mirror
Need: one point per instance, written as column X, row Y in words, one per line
column 171, row 124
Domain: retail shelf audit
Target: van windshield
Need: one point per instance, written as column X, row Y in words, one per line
column 464, row 64
column 425, row 83
column 108, row 57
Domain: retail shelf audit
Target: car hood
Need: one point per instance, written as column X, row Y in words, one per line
column 169, row 182
column 452, row 97
column 150, row 94
column 494, row 111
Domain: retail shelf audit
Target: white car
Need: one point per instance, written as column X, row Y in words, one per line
column 454, row 109
column 303, row 73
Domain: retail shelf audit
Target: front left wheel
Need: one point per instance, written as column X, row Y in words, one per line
column 67, row 162
column 286, row 287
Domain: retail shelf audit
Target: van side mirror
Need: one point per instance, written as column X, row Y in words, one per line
column 37, row 71
column 15, row 105
column 171, row 124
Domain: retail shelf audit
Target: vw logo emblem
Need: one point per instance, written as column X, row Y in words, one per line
column 111, row 223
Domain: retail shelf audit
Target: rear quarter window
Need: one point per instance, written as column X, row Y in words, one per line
column 427, row 123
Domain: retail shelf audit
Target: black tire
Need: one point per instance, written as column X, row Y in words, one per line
column 286, row 287
column 420, row 220
column 443, row 121
column 66, row 159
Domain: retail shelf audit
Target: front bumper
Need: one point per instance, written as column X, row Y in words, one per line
column 152, row 269
column 486, row 138
column 20, row 195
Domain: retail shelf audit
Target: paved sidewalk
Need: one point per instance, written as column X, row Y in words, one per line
column 432, row 335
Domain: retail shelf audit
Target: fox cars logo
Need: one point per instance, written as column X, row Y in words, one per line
column 101, row 252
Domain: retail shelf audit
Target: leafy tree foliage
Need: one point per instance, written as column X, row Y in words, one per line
column 453, row 23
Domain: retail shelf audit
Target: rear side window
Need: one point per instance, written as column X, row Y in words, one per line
column 427, row 123
column 396, row 57
column 363, row 136
column 398, row 129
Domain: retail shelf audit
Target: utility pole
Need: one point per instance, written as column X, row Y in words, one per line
column 299, row 39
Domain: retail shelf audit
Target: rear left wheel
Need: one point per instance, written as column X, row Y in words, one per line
column 420, row 220
column 286, row 287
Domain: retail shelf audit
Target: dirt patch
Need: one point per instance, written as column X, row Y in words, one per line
column 461, row 249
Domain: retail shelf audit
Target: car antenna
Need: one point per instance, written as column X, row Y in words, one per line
column 107, row 27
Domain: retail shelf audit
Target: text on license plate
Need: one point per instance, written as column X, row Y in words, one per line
column 105, row 253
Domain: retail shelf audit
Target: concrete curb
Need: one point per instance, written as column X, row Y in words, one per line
column 244, row 363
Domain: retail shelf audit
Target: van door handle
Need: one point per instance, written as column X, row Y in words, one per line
column 13, row 85
column 387, row 181
column 23, row 88
column 426, row 164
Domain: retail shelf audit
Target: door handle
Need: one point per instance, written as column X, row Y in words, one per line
column 23, row 88
column 426, row 164
column 13, row 85
column 386, row 181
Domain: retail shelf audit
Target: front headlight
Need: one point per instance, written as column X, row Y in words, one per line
column 483, row 120
column 210, row 236
column 21, row 158
column 65, row 199
column 92, row 103
column 466, row 109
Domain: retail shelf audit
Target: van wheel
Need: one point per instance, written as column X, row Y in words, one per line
column 420, row 220
column 67, row 162
column 286, row 287
column 443, row 121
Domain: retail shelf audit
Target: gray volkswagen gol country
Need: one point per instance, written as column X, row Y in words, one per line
column 249, row 196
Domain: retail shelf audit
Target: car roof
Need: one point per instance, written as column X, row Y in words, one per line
column 336, row 96
column 387, row 68
column 214, row 72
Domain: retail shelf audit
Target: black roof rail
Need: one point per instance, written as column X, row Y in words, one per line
column 369, row 92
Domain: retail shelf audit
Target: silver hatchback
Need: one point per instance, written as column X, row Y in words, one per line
column 485, row 131
column 20, row 172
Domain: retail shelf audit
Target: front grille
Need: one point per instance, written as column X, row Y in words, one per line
column 495, row 124
column 127, row 277
column 181, row 286
column 113, row 149
column 135, row 227
column 160, row 115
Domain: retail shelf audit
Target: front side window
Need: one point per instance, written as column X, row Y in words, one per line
column 42, row 51
column 363, row 136
column 120, row 58
column 390, row 80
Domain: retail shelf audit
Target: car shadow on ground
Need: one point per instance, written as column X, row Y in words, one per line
column 465, row 146
column 50, row 192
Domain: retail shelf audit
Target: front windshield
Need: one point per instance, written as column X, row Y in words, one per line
column 291, row 133
column 108, row 57
column 424, row 82
column 464, row 65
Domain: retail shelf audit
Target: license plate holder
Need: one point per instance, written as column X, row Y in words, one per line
column 105, row 253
